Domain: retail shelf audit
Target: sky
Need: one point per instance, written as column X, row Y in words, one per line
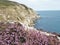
column 41, row 4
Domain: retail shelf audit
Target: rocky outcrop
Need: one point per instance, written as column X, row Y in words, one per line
column 16, row 12
column 16, row 34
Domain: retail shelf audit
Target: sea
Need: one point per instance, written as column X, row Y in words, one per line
column 49, row 21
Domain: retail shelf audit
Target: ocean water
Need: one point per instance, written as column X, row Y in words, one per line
column 49, row 21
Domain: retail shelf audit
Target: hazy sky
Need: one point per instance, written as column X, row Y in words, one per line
column 41, row 4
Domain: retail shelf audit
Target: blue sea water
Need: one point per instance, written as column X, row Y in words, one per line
column 49, row 21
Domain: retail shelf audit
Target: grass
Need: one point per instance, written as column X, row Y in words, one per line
column 14, row 13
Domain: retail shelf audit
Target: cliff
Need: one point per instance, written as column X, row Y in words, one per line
column 16, row 12
column 16, row 21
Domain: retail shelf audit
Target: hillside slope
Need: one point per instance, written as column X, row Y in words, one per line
column 16, row 12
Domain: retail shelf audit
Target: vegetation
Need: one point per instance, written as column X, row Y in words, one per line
column 13, row 11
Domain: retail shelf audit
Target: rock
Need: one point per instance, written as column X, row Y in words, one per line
column 15, row 12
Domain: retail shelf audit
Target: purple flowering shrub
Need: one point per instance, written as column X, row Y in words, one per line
column 15, row 34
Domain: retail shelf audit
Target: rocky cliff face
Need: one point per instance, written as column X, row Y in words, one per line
column 15, row 12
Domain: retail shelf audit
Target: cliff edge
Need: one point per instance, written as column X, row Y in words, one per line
column 16, row 21
column 15, row 12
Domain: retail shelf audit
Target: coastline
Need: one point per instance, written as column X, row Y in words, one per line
column 17, row 26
